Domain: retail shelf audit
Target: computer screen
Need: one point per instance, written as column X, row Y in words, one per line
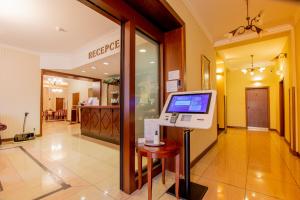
column 190, row 103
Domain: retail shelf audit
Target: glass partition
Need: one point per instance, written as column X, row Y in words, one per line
column 147, row 98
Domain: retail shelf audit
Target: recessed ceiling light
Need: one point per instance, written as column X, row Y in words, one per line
column 93, row 67
column 152, row 62
column 143, row 50
column 105, row 73
column 105, row 63
column 60, row 29
column 83, row 71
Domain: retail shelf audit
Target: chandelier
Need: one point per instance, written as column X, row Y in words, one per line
column 250, row 26
column 55, row 84
column 251, row 70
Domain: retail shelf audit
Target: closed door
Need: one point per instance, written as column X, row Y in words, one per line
column 257, row 101
column 75, row 99
column 59, row 104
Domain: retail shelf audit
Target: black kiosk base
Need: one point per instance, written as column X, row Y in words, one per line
column 187, row 189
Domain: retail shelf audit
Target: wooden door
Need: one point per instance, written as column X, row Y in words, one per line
column 59, row 104
column 75, row 99
column 257, row 107
column 281, row 107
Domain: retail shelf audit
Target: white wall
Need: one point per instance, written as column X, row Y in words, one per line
column 77, row 86
column 49, row 98
column 196, row 44
column 19, row 90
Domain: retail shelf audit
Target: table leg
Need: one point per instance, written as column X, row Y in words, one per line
column 140, row 167
column 149, row 164
column 177, row 171
column 163, row 173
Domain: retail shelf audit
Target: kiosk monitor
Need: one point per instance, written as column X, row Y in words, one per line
column 189, row 109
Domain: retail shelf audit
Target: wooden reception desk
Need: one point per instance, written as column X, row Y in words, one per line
column 101, row 122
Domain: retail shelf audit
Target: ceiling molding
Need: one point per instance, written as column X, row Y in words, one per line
column 198, row 19
column 19, row 49
column 266, row 32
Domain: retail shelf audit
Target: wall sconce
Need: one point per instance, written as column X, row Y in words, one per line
column 219, row 73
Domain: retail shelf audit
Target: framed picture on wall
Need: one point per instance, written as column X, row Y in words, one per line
column 205, row 73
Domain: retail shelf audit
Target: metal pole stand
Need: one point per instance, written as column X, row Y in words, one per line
column 187, row 189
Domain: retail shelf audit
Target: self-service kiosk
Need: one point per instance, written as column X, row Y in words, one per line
column 189, row 110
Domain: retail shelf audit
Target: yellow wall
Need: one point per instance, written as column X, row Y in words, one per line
column 20, row 90
column 221, row 91
column 297, row 53
column 287, row 84
column 237, row 82
column 196, row 44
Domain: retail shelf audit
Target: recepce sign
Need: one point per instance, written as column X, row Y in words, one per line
column 105, row 48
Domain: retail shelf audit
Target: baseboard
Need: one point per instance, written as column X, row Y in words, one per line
column 201, row 155
column 12, row 139
column 7, row 139
column 287, row 141
column 275, row 130
column 239, row 127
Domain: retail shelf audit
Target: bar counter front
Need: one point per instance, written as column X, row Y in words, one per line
column 101, row 122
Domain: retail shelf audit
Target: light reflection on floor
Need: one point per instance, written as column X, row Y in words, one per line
column 242, row 165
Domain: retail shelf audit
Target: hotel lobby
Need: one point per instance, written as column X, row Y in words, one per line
column 130, row 99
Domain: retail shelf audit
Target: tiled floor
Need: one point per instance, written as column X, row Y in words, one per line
column 243, row 165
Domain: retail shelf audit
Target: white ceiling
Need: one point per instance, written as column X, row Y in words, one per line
column 218, row 17
column 31, row 25
column 264, row 52
column 99, row 70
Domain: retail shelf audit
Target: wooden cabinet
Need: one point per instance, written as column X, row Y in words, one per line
column 101, row 122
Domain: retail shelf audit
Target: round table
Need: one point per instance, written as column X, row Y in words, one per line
column 169, row 150
column 2, row 128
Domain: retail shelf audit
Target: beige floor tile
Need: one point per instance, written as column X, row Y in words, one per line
column 257, row 196
column 259, row 162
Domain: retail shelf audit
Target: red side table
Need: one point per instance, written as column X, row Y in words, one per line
column 169, row 150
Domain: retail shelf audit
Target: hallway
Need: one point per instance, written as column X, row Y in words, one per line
column 249, row 165
column 242, row 165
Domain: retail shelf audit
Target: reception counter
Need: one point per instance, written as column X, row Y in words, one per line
column 101, row 122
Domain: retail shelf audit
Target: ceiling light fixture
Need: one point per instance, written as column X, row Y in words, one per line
column 105, row 63
column 93, row 67
column 250, row 26
column 105, row 73
column 143, row 50
column 83, row 71
column 60, row 29
column 152, row 62
column 252, row 69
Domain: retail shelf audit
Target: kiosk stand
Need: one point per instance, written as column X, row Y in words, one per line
column 189, row 110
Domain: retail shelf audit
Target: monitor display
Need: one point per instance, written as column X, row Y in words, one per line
column 189, row 103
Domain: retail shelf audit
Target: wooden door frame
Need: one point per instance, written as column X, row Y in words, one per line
column 281, row 108
column 246, row 103
column 132, row 19
column 46, row 72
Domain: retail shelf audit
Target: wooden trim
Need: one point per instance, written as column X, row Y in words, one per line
column 287, row 142
column 7, row 139
column 281, row 108
column 275, row 130
column 41, row 103
column 130, row 19
column 46, row 72
column 121, row 11
column 293, row 119
column 239, row 127
column 246, row 103
column 201, row 155
column 128, row 102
